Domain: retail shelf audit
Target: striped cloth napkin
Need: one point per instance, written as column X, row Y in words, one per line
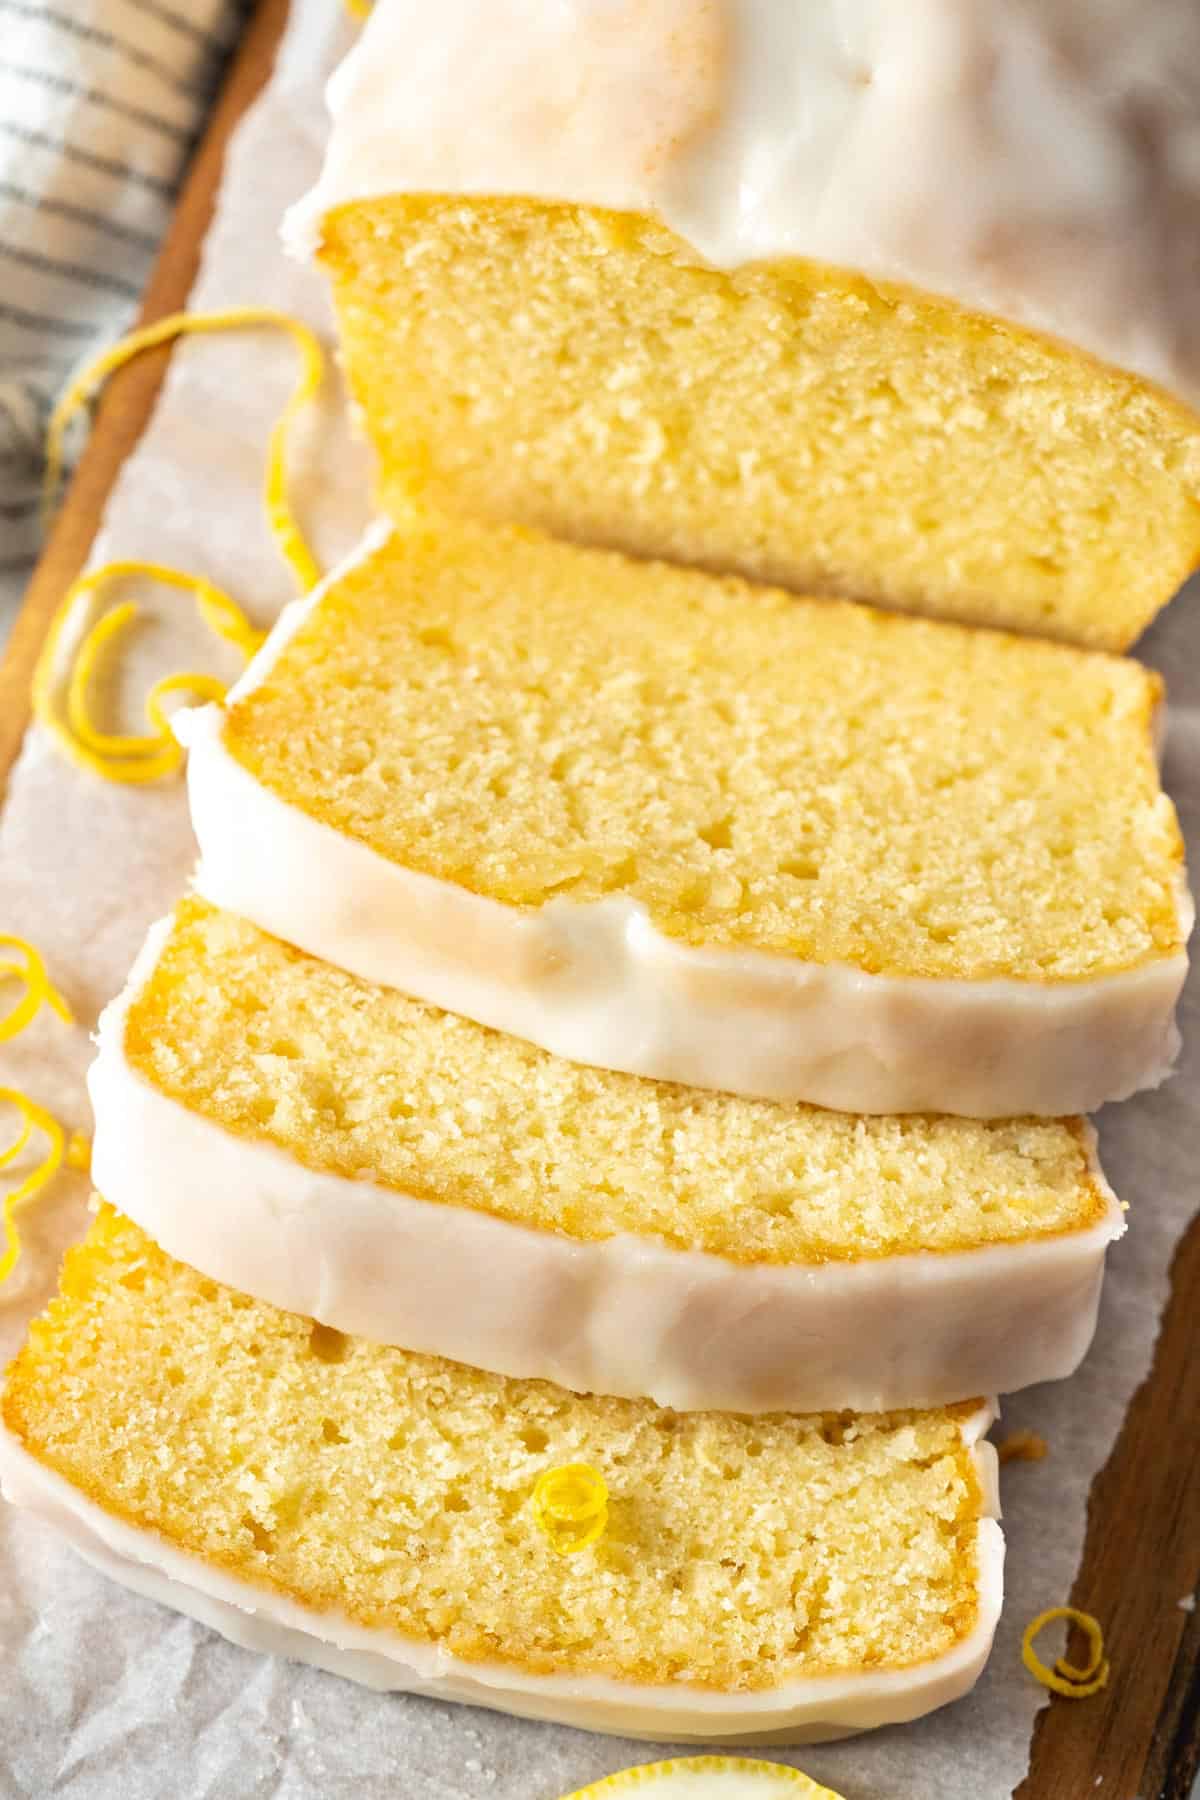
column 101, row 102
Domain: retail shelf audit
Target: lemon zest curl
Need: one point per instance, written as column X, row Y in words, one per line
column 121, row 756
column 570, row 1505
column 127, row 757
column 39, row 989
column 79, row 1152
column 75, row 1151
column 1066, row 1677
column 91, row 378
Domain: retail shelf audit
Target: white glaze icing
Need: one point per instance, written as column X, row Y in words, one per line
column 259, row 1619
column 625, row 1315
column 1037, row 160
column 598, row 983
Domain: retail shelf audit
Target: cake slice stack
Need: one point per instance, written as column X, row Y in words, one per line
column 384, row 1270
column 405, row 1174
column 707, row 832
column 612, row 1104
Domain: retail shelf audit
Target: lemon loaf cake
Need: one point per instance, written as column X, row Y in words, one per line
column 665, row 822
column 385, row 1515
column 689, row 279
column 404, row 1174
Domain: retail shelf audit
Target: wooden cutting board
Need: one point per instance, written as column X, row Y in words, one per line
column 1143, row 1735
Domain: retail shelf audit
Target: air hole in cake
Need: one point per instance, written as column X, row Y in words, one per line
column 534, row 1439
column 562, row 765
column 437, row 637
column 778, row 1203
column 262, row 1538
column 323, row 1095
column 801, row 868
column 328, row 1345
column 332, row 1433
column 692, row 897
column 621, row 875
column 718, row 835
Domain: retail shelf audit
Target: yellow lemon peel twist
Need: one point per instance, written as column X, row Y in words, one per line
column 125, row 757
column 92, row 377
column 39, row 989
column 120, row 756
column 75, row 1150
column 1067, row 1677
column 79, row 1152
column 570, row 1505
column 58, row 1148
column 358, row 9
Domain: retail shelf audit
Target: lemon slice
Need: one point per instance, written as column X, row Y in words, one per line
column 708, row 1778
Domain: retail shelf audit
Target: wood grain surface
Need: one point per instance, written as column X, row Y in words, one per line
column 1142, row 1554
column 1143, row 1535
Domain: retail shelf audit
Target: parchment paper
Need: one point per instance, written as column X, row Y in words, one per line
column 103, row 1694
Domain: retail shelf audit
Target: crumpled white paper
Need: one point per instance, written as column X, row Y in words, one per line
column 102, row 1693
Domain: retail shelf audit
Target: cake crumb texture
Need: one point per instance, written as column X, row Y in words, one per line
column 586, row 372
column 740, row 1554
column 365, row 1083
column 535, row 722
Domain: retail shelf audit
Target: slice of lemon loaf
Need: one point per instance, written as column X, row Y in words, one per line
column 374, row 1511
column 677, row 825
column 399, row 1172
column 707, row 1778
column 689, row 279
